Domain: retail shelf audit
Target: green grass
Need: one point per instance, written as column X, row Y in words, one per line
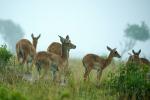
column 46, row 90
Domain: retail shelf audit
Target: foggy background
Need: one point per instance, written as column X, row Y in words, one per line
column 91, row 24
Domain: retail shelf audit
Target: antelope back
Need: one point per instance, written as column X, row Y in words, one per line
column 145, row 61
column 42, row 59
column 56, row 48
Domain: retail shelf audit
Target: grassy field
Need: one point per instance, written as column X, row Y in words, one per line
column 76, row 89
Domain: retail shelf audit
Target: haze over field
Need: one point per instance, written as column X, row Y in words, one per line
column 91, row 24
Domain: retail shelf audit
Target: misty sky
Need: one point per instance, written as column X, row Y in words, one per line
column 91, row 24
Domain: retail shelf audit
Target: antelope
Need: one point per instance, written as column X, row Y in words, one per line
column 26, row 50
column 93, row 61
column 136, row 59
column 49, row 60
column 55, row 47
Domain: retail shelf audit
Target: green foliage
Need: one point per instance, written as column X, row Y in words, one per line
column 130, row 79
column 137, row 32
column 7, row 94
column 4, row 54
column 16, row 84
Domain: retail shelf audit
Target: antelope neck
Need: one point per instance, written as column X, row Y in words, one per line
column 108, row 60
column 65, row 52
column 34, row 44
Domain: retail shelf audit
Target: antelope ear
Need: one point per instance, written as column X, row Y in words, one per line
column 67, row 37
column 39, row 36
column 61, row 39
column 109, row 48
column 139, row 51
column 133, row 52
column 32, row 35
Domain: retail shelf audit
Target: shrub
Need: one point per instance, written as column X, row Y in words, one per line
column 129, row 81
column 7, row 94
column 4, row 55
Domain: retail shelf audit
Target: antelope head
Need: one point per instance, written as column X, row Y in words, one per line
column 66, row 42
column 135, row 55
column 66, row 46
column 113, row 52
column 35, row 40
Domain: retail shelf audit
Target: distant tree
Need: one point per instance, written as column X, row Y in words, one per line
column 10, row 32
column 134, row 33
column 137, row 32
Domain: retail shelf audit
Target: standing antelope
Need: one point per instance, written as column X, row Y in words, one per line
column 26, row 50
column 55, row 47
column 136, row 59
column 92, row 61
column 48, row 60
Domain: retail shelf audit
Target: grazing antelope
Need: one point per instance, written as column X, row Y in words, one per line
column 48, row 60
column 92, row 61
column 26, row 50
column 136, row 59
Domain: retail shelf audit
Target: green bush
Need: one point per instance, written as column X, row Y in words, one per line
column 4, row 55
column 129, row 80
column 7, row 94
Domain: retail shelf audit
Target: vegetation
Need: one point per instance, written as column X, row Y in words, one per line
column 130, row 82
column 118, row 81
column 115, row 79
column 5, row 55
column 76, row 89
column 6, row 94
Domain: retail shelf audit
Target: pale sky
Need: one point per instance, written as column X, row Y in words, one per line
column 91, row 24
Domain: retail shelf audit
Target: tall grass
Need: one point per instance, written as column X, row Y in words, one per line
column 76, row 89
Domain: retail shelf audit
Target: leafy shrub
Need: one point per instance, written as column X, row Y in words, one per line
column 7, row 94
column 129, row 80
column 4, row 55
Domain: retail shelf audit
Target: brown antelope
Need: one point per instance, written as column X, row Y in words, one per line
column 92, row 61
column 136, row 59
column 48, row 60
column 26, row 50
column 56, row 48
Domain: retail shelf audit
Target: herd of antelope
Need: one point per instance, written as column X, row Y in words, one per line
column 57, row 55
